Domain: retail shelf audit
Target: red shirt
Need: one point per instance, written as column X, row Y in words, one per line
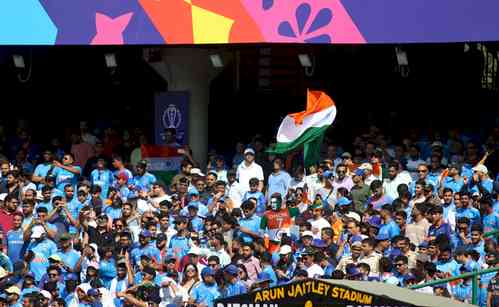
column 6, row 220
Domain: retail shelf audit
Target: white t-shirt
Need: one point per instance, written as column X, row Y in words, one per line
column 245, row 173
column 235, row 194
column 318, row 224
column 315, row 271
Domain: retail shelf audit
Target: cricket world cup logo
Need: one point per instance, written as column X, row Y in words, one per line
column 172, row 117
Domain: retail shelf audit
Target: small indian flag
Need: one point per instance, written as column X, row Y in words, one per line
column 163, row 161
column 307, row 128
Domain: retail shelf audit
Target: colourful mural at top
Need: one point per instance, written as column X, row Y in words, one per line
column 153, row 22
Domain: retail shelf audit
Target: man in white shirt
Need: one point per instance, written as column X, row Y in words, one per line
column 395, row 178
column 313, row 269
column 368, row 173
column 234, row 189
column 249, row 169
column 317, row 221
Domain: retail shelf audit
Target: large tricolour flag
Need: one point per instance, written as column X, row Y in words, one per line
column 164, row 161
column 307, row 128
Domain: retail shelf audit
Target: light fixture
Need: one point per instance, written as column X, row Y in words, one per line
column 111, row 60
column 216, row 60
column 401, row 56
column 305, row 60
column 18, row 61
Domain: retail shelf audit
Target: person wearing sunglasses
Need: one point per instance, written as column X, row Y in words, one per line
column 66, row 172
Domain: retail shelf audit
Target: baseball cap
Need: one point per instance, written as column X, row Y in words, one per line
column 207, row 271
column 346, row 155
column 316, row 205
column 13, row 290
column 359, row 172
column 343, row 201
column 161, row 237
column 3, row 272
column 423, row 244
column 285, row 249
column 55, row 257
column 197, row 171
column 263, row 277
column 193, row 192
column 307, row 233
column 366, row 166
column 480, row 168
column 328, row 174
column 356, row 244
column 93, row 292
column 145, row 233
column 437, row 144
column 29, row 275
column 46, row 294
column 382, row 237
column 353, row 215
column 123, row 176
column 374, row 221
column 37, row 232
column 94, row 264
column 71, row 276
column 249, row 151
column 308, row 251
column 231, row 269
column 2, row 196
column 65, row 236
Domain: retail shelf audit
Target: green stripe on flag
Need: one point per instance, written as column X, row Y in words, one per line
column 311, row 139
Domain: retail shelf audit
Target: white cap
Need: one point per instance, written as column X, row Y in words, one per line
column 437, row 144
column 3, row 272
column 194, row 251
column 285, row 249
column 481, row 168
column 13, row 290
column 197, row 171
column 307, row 233
column 37, row 232
column 249, row 151
column 46, row 294
column 2, row 196
column 353, row 215
column 366, row 166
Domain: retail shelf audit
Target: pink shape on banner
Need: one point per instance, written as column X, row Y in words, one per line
column 110, row 30
column 341, row 29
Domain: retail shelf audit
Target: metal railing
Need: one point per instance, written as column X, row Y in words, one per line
column 474, row 282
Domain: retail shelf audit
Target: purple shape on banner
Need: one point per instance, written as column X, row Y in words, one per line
column 322, row 19
column 424, row 20
column 302, row 14
column 75, row 20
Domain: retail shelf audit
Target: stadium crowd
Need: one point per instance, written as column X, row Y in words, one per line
column 84, row 223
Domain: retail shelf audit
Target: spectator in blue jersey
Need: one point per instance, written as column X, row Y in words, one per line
column 43, row 169
column 66, row 172
column 389, row 226
column 144, row 248
column 102, row 177
column 467, row 210
column 68, row 254
column 279, row 180
column 249, row 224
column 143, row 180
column 477, row 243
column 490, row 218
column 453, row 180
column 480, row 181
column 14, row 239
column 207, row 291
column 256, row 194
column 234, row 285
column 120, row 168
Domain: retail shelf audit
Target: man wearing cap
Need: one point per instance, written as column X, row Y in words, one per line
column 42, row 248
column 193, row 197
column 120, row 168
column 480, row 181
column 354, row 258
column 145, row 248
column 207, row 291
column 360, row 191
column 367, row 173
column 249, row 225
column 249, row 169
column 234, row 285
column 309, row 257
column 13, row 295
